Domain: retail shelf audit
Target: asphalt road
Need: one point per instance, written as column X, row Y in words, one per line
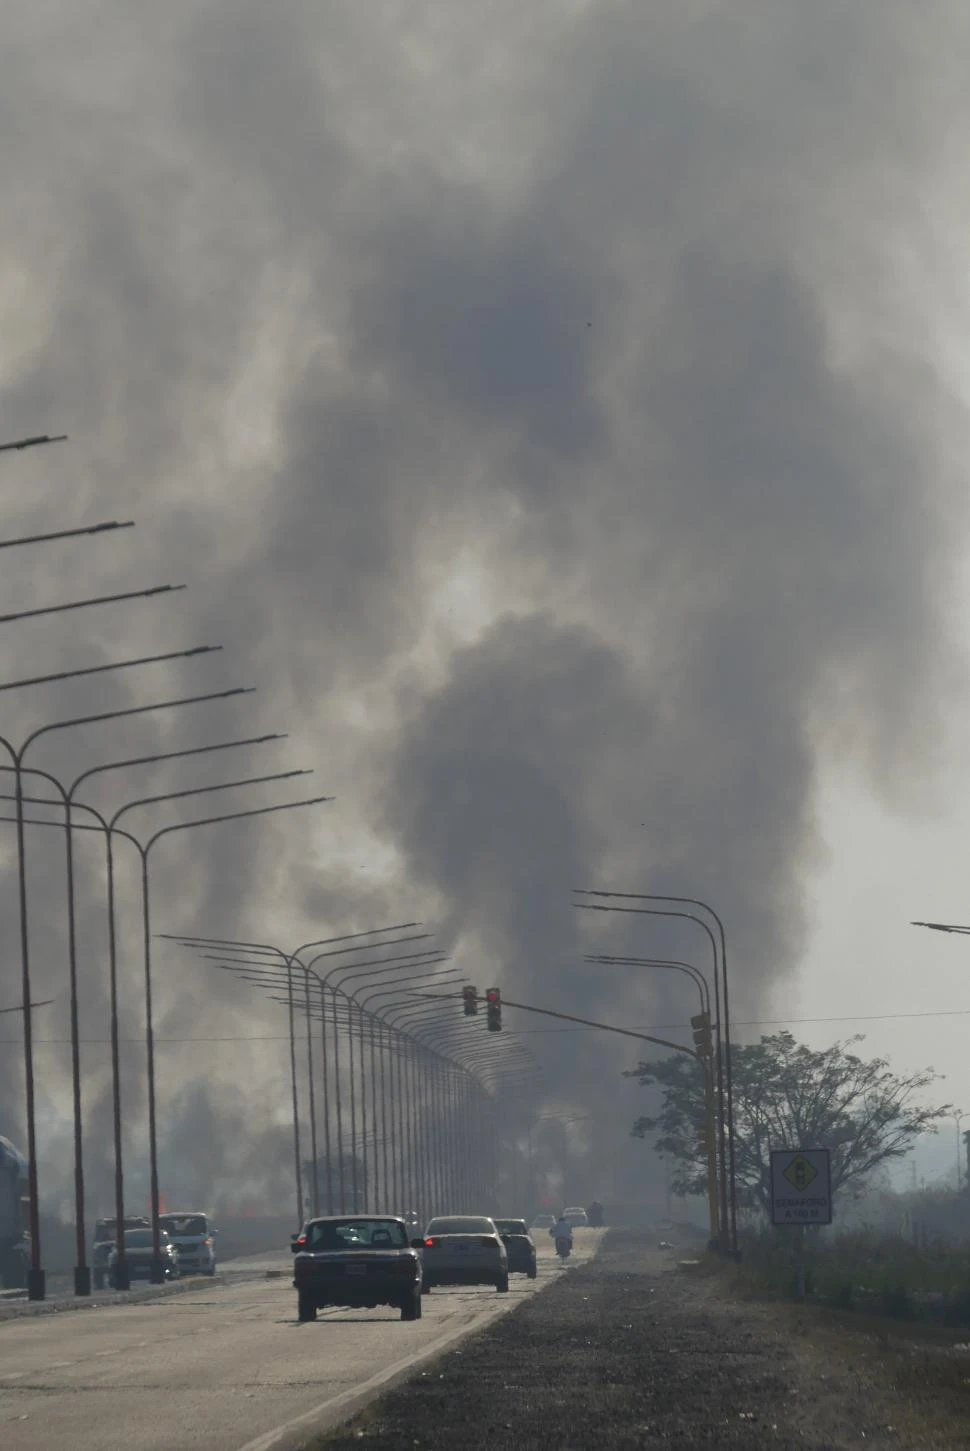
column 223, row 1366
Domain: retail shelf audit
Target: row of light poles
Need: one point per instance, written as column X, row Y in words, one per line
column 422, row 1122
column 67, row 801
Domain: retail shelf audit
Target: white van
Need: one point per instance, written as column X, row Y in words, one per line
column 194, row 1239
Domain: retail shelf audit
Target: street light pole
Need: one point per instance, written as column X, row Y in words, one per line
column 36, row 1278
column 144, row 850
column 703, row 990
column 958, row 1120
column 82, row 1271
column 728, row 1189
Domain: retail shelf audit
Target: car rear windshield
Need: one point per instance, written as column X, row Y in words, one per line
column 511, row 1226
column 357, row 1234
column 461, row 1226
column 185, row 1223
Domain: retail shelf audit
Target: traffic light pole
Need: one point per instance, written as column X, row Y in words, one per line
column 702, row 1058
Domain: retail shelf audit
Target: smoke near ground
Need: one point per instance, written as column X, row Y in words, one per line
column 552, row 409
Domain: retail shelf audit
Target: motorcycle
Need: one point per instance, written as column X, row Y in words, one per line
column 564, row 1247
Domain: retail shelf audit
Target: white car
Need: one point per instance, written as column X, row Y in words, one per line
column 194, row 1238
column 544, row 1221
column 576, row 1217
column 464, row 1250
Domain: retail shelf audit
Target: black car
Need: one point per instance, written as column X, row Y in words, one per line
column 519, row 1246
column 356, row 1261
column 139, row 1253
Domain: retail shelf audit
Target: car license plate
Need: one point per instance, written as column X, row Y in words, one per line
column 356, row 1269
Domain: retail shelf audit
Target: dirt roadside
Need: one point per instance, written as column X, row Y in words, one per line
column 630, row 1351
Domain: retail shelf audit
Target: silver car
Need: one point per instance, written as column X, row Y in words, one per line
column 194, row 1239
column 464, row 1250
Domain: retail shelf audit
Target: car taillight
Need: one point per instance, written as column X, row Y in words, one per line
column 430, row 1243
column 301, row 1242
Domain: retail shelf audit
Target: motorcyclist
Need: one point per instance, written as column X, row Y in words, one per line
column 562, row 1233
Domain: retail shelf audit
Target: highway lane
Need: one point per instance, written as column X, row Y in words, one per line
column 225, row 1366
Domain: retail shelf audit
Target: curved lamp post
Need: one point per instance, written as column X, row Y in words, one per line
column 729, row 1227
column 36, row 1279
column 67, row 794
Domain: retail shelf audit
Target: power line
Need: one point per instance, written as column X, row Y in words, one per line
column 532, row 1032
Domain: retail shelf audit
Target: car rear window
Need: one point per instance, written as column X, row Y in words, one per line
column 139, row 1238
column 356, row 1234
column 461, row 1226
column 511, row 1226
column 185, row 1223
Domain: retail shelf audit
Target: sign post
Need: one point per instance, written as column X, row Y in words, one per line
column 801, row 1194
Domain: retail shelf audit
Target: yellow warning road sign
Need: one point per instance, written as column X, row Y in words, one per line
column 800, row 1173
column 801, row 1186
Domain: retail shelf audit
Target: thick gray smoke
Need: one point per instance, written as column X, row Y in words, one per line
column 550, row 408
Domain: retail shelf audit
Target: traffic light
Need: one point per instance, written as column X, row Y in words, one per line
column 701, row 1025
column 493, row 1007
column 470, row 999
column 705, row 1142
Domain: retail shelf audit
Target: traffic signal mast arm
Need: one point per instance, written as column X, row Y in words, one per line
column 701, row 1054
column 605, row 1027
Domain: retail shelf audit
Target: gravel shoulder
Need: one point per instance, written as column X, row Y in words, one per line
column 631, row 1351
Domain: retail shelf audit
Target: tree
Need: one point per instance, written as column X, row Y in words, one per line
column 789, row 1096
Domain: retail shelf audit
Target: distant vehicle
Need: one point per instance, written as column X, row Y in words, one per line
column 544, row 1221
column 576, row 1217
column 139, row 1253
column 519, row 1246
column 357, row 1261
column 194, row 1239
column 596, row 1215
column 105, row 1238
column 14, row 1244
column 465, row 1250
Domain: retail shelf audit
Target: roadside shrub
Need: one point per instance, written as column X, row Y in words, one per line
column 862, row 1270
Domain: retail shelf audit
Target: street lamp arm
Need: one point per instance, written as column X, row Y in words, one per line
column 234, row 816
column 81, row 720
column 171, row 756
column 104, row 669
column 390, row 992
column 131, row 594
column 105, row 528
column 687, row 968
column 204, row 791
column 357, row 969
column 21, row 443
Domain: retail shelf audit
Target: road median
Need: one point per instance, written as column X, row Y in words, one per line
column 632, row 1350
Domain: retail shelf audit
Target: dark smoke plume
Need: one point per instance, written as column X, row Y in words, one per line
column 552, row 411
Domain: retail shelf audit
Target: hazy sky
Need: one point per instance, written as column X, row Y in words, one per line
column 558, row 412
